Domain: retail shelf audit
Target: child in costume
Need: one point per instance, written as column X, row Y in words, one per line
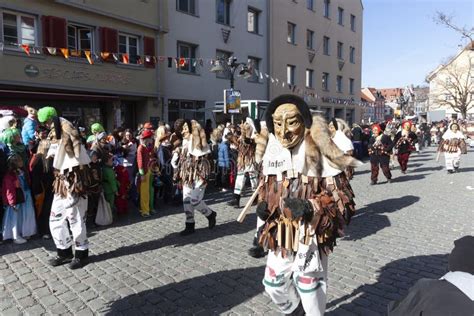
column 19, row 216
column 109, row 182
column 404, row 144
column 380, row 150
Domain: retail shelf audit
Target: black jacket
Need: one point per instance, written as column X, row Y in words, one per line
column 385, row 149
column 405, row 145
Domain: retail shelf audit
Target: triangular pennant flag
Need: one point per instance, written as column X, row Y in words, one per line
column 139, row 60
column 88, row 56
column 154, row 59
column 36, row 50
column 273, row 80
column 261, row 75
column 51, row 50
column 125, row 58
column 194, row 62
column 283, row 84
column 26, row 48
column 201, row 62
column 293, row 88
column 1, row 46
column 104, row 55
column 116, row 57
column 276, row 79
column 147, row 59
column 170, row 62
column 65, row 52
column 75, row 53
column 176, row 62
column 161, row 58
column 267, row 76
column 182, row 62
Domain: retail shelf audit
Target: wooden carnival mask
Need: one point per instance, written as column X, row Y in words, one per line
column 288, row 125
column 185, row 131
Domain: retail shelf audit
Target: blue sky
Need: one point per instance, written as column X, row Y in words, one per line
column 402, row 43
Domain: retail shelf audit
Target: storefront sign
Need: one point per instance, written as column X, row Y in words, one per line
column 31, row 70
column 81, row 75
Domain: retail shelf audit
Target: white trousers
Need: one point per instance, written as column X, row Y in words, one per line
column 240, row 180
column 75, row 215
column 192, row 200
column 288, row 288
column 452, row 159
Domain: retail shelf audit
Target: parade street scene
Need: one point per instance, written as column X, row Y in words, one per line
column 237, row 157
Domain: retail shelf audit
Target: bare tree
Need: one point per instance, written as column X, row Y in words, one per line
column 447, row 20
column 455, row 87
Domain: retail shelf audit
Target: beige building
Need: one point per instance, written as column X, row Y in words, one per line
column 316, row 49
column 452, row 86
column 201, row 31
column 120, row 87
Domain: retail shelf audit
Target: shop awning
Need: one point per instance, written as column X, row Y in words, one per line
column 57, row 95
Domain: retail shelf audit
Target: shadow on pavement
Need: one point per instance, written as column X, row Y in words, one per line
column 210, row 294
column 174, row 239
column 405, row 178
column 427, row 169
column 370, row 219
column 395, row 279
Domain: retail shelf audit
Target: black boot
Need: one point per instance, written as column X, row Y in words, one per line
column 64, row 256
column 236, row 201
column 212, row 220
column 257, row 251
column 188, row 230
column 81, row 258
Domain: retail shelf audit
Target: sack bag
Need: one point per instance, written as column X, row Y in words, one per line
column 104, row 212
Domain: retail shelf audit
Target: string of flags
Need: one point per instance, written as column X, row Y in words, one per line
column 176, row 62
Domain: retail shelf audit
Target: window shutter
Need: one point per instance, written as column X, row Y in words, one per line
column 58, row 31
column 108, row 40
column 45, row 27
column 149, row 50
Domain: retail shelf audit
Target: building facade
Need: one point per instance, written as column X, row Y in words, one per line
column 92, row 60
column 201, row 31
column 316, row 50
column 452, row 86
column 374, row 107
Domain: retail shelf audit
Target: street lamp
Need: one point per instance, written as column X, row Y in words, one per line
column 232, row 65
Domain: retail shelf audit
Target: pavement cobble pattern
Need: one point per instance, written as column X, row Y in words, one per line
column 402, row 232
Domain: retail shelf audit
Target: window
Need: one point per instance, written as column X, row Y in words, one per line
column 223, row 12
column 352, row 55
column 187, row 6
column 128, row 44
column 309, row 39
column 310, row 4
column 309, row 78
column 327, row 8
column 290, row 74
column 223, row 56
column 187, row 51
column 351, row 86
column 79, row 38
column 19, row 29
column 325, row 81
column 340, row 52
column 353, row 22
column 291, row 33
column 340, row 16
column 254, row 67
column 326, row 45
column 252, row 20
column 339, row 83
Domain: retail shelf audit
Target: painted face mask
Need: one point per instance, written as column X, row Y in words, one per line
column 289, row 126
column 185, row 131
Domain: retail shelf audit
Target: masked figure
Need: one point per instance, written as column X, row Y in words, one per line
column 380, row 150
column 246, row 159
column 68, row 211
column 192, row 170
column 453, row 144
column 404, row 144
column 305, row 200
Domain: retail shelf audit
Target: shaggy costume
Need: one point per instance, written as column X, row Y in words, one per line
column 246, row 163
column 342, row 140
column 404, row 144
column 68, row 210
column 305, row 200
column 380, row 150
column 192, row 169
column 453, row 144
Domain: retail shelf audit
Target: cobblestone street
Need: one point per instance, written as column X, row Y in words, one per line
column 403, row 231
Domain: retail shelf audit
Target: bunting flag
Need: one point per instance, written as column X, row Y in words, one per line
column 1, row 46
column 104, row 55
column 65, row 52
column 161, row 58
column 182, row 62
column 170, row 62
column 147, row 59
column 51, row 50
column 36, row 50
column 88, row 56
column 154, row 59
column 125, row 59
column 116, row 57
column 75, row 53
column 139, row 60
column 261, row 75
column 26, row 48
column 176, row 62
